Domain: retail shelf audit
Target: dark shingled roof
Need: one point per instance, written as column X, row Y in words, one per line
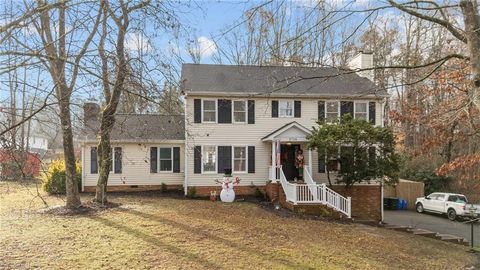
column 140, row 127
column 315, row 81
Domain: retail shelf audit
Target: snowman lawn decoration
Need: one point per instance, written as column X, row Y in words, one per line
column 227, row 194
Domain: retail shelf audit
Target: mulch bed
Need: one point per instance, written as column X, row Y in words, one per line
column 86, row 208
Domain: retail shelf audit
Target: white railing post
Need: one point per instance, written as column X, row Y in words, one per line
column 324, row 191
column 349, row 207
column 295, row 193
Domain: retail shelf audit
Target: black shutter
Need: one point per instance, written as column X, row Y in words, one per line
column 224, row 158
column 197, row 159
column 224, row 111
column 117, row 151
column 346, row 107
column 274, row 108
column 251, row 159
column 153, row 159
column 297, row 108
column 321, row 111
column 93, row 160
column 372, row 160
column 346, row 157
column 321, row 161
column 176, row 159
column 371, row 112
column 197, row 110
column 251, row 111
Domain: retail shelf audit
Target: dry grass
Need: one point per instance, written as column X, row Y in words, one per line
column 157, row 232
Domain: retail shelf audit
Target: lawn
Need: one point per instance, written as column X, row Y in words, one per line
column 154, row 231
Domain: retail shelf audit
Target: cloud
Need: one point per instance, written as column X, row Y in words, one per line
column 206, row 46
column 137, row 42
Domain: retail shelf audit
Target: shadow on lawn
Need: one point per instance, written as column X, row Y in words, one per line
column 214, row 237
column 155, row 241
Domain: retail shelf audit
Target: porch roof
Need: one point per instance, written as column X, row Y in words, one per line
column 291, row 132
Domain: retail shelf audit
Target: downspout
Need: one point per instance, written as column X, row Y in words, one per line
column 185, row 169
column 381, row 199
column 83, row 167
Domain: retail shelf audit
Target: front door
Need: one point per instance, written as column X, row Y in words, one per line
column 288, row 153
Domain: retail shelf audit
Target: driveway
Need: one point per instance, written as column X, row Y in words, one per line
column 432, row 222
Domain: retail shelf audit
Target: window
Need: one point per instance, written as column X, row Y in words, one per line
column 285, row 108
column 331, row 112
column 209, row 158
column 209, row 111
column 239, row 111
column 239, row 159
column 93, row 160
column 332, row 165
column 117, row 160
column 361, row 110
column 165, row 159
column 457, row 199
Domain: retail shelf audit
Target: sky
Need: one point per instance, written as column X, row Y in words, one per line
column 203, row 20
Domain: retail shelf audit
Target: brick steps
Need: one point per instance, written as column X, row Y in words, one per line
column 452, row 239
column 426, row 233
column 422, row 232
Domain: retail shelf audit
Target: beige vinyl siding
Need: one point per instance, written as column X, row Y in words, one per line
column 135, row 166
column 249, row 134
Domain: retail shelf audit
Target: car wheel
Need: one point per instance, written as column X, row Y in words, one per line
column 419, row 207
column 451, row 214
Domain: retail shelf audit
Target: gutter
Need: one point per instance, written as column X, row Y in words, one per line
column 279, row 95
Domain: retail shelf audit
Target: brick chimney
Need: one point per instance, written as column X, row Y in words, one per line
column 360, row 61
column 91, row 111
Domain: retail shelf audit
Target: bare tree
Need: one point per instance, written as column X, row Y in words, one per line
column 56, row 60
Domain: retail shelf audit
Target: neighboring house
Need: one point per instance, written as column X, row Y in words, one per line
column 244, row 119
column 38, row 143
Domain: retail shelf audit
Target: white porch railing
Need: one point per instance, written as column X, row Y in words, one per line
column 311, row 192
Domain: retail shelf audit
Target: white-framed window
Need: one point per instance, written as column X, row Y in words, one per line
column 285, row 108
column 209, row 111
column 361, row 110
column 209, row 158
column 332, row 111
column 239, row 111
column 165, row 159
column 239, row 159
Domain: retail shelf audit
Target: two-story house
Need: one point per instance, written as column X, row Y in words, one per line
column 243, row 120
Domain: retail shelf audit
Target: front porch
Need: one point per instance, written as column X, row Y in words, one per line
column 293, row 170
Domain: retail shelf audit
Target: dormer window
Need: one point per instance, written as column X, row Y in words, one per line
column 285, row 108
column 209, row 113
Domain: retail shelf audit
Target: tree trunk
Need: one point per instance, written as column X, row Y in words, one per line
column 73, row 197
column 472, row 24
column 104, row 156
column 112, row 97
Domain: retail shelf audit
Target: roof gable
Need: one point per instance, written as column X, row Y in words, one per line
column 292, row 131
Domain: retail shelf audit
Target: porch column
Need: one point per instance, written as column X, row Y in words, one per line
column 310, row 161
column 273, row 168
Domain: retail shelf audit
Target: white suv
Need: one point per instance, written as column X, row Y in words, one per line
column 454, row 205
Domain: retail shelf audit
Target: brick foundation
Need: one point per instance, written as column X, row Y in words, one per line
column 239, row 190
column 366, row 201
column 131, row 188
